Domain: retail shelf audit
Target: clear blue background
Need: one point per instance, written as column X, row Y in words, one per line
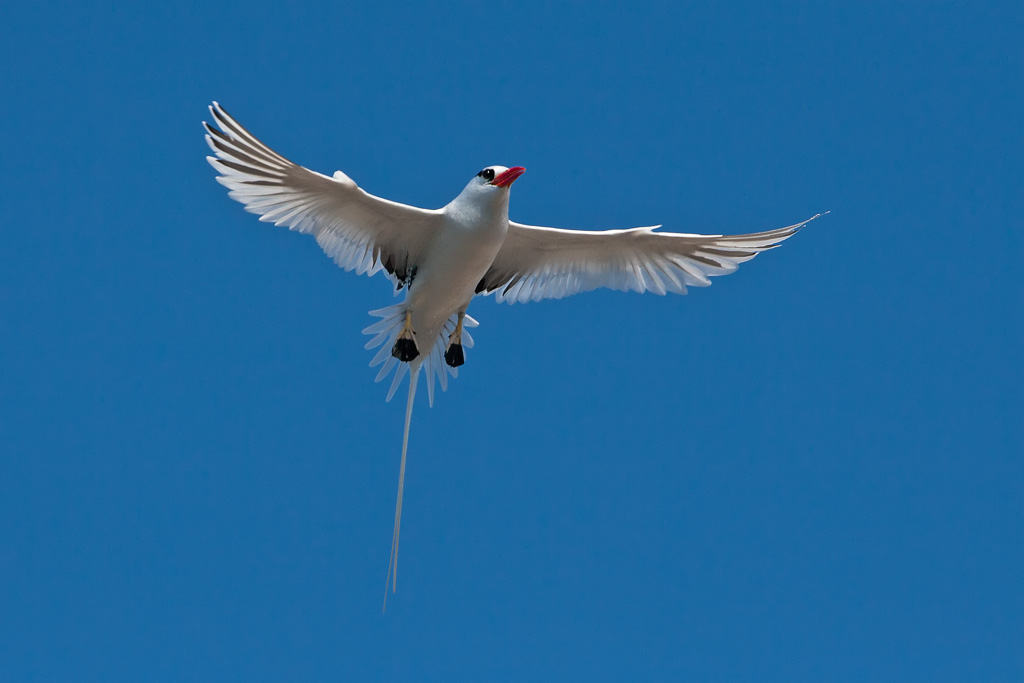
column 810, row 471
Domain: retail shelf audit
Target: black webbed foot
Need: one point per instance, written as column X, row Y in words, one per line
column 404, row 349
column 454, row 356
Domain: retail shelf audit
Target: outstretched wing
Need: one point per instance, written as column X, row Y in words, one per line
column 359, row 231
column 549, row 263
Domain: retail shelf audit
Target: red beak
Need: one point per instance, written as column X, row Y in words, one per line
column 508, row 177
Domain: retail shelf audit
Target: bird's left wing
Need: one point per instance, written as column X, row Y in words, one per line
column 359, row 231
column 550, row 263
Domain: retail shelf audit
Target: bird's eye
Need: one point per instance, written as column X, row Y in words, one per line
column 487, row 174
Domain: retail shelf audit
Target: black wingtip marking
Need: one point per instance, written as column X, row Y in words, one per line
column 241, row 168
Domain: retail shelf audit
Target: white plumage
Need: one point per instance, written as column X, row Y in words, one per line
column 444, row 257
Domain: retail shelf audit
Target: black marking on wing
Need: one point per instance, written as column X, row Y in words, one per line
column 403, row 273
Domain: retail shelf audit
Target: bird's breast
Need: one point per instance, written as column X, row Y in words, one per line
column 451, row 268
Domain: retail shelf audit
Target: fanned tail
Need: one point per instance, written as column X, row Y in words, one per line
column 393, row 562
column 386, row 330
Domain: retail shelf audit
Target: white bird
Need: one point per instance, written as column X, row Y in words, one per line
column 445, row 257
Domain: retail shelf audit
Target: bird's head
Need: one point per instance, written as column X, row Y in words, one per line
column 498, row 176
column 488, row 190
column 492, row 183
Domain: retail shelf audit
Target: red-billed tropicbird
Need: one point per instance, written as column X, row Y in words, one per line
column 445, row 257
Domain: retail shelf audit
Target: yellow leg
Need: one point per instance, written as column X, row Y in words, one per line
column 454, row 355
column 456, row 337
column 405, row 348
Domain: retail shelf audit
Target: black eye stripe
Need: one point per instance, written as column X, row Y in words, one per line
column 487, row 174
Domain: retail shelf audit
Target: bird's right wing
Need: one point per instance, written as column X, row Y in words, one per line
column 359, row 231
column 538, row 263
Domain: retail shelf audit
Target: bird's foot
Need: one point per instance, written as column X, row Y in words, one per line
column 405, row 348
column 454, row 355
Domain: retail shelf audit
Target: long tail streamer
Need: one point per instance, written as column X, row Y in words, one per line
column 414, row 371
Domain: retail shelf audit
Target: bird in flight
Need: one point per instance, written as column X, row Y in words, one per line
column 443, row 258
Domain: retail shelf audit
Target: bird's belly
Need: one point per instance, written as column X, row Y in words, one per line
column 446, row 282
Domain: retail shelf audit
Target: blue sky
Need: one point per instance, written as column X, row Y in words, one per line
column 810, row 471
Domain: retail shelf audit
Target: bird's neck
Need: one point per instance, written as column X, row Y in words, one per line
column 477, row 209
